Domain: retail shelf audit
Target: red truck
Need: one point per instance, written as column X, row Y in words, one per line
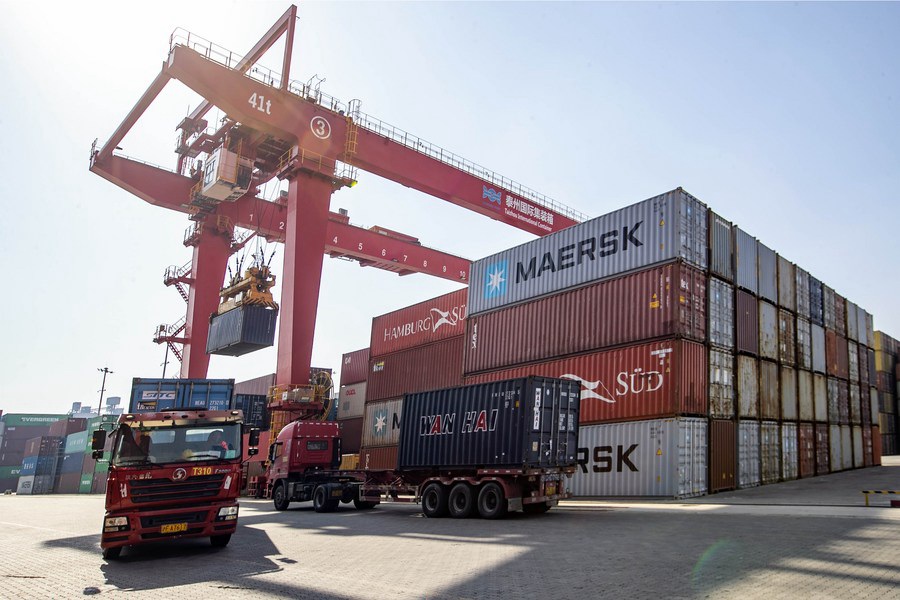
column 172, row 474
column 487, row 449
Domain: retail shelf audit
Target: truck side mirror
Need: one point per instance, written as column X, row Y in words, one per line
column 98, row 440
column 254, row 438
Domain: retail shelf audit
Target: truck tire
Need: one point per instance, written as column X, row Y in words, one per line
column 363, row 504
column 461, row 501
column 434, row 500
column 535, row 509
column 112, row 553
column 220, row 541
column 321, row 502
column 280, row 497
column 491, row 501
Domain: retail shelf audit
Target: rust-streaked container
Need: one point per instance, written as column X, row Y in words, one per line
column 431, row 367
column 747, row 386
column 820, row 398
column 836, row 355
column 856, row 434
column 884, row 361
column 823, row 453
column 656, row 303
column 883, row 382
column 769, row 452
column 789, row 411
column 843, row 402
column 853, row 361
column 767, row 267
column 805, row 396
column 720, row 331
column 806, row 450
column 834, row 414
column 646, row 381
column 867, row 445
column 746, row 323
column 721, row 384
column 862, row 326
column 855, row 405
column 872, row 372
column 840, row 314
column 787, row 287
column 383, row 458
column 828, row 307
column 768, row 330
column 865, row 413
column 804, row 344
column 722, row 457
column 721, row 247
column 790, row 452
column 420, row 324
column 351, row 435
column 354, row 366
column 801, row 283
column 787, row 344
column 769, row 397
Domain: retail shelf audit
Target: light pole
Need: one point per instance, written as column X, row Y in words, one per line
column 105, row 371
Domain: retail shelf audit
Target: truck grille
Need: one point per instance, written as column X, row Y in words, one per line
column 194, row 517
column 163, row 490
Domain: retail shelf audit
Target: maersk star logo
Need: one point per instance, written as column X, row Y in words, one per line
column 380, row 422
column 495, row 280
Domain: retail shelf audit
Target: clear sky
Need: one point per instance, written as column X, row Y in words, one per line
column 783, row 117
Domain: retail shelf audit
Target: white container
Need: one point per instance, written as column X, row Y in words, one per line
column 351, row 401
column 805, row 395
column 26, row 485
column 662, row 457
column 857, row 435
column 769, row 452
column 748, row 454
column 820, row 398
column 790, row 452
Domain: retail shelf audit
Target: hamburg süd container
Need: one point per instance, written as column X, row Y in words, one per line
column 668, row 227
column 746, row 323
column 770, row 452
column 530, row 422
column 805, row 396
column 351, row 400
column 787, row 343
column 435, row 366
column 748, row 386
column 769, row 396
column 660, row 302
column 646, row 381
column 745, row 259
column 748, row 454
column 787, row 287
column 242, row 330
column 153, row 395
column 789, row 409
column 768, row 273
column 722, row 455
column 804, row 344
column 721, row 384
column 354, row 366
column 790, row 452
column 721, row 247
column 823, row 449
column 661, row 457
column 768, row 330
column 806, row 450
column 420, row 324
column 720, row 331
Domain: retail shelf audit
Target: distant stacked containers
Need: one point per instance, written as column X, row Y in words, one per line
column 415, row 349
column 39, row 467
column 352, row 399
column 68, row 473
column 17, row 429
column 887, row 390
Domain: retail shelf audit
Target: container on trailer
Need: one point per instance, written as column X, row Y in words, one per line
column 801, row 283
column 746, row 323
column 420, row 324
column 790, row 452
column 720, row 330
column 806, row 406
column 769, row 396
column 789, row 408
column 787, row 342
column 381, row 423
column 351, row 401
column 768, row 330
column 748, row 454
column 351, row 435
column 840, row 314
column 806, row 450
column 855, row 405
column 856, row 434
column 748, row 386
column 721, row 247
column 646, row 381
column 378, row 459
column 721, row 384
column 660, row 302
column 530, row 422
column 437, row 365
column 787, row 288
column 823, row 449
column 816, row 302
column 241, row 330
column 153, row 395
column 770, row 452
column 355, row 366
column 853, row 361
column 668, row 227
column 722, row 455
column 767, row 266
column 828, row 307
column 846, row 447
column 661, row 457
column 852, row 321
column 834, row 443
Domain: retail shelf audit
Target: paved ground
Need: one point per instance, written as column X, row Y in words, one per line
column 803, row 539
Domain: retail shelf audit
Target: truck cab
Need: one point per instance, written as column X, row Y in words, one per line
column 172, row 474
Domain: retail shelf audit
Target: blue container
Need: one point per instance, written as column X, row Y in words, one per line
column 154, row 395
column 29, row 463
column 71, row 463
column 255, row 407
column 241, row 330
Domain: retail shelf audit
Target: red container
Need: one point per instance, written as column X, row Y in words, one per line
column 21, row 432
column 876, row 445
column 258, row 386
column 68, row 483
column 806, row 446
column 867, row 445
column 657, row 379
column 769, row 396
column 65, row 427
column 419, row 369
column 746, row 323
column 722, row 457
column 823, row 465
column 351, row 435
column 883, row 382
column 661, row 302
column 420, row 324
column 354, row 366
column 383, row 458
column 837, row 359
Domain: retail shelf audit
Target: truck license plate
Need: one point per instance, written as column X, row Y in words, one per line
column 173, row 528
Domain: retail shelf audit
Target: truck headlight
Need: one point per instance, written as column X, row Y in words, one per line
column 113, row 524
column 227, row 513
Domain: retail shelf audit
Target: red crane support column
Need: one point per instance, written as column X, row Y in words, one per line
column 308, row 199
column 211, row 254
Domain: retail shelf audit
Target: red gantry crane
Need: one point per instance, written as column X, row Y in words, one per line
column 278, row 128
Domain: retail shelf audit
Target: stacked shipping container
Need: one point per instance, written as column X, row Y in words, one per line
column 352, row 398
column 884, row 373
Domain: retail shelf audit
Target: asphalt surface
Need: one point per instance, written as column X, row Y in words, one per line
column 804, row 539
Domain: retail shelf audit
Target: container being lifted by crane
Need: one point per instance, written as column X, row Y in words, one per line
column 294, row 132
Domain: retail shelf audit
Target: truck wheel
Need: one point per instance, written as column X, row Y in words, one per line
column 535, row 509
column 363, row 504
column 491, row 501
column 220, row 541
column 112, row 553
column 461, row 502
column 434, row 500
column 280, row 497
column 321, row 502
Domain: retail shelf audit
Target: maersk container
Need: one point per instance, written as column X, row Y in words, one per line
column 806, row 450
column 662, row 458
column 745, row 259
column 846, row 448
column 668, row 227
column 840, row 314
column 787, row 289
column 721, row 384
column 152, row 395
column 381, row 423
column 748, row 454
column 354, row 366
column 828, row 307
column 720, row 331
column 835, row 449
column 722, row 455
column 856, row 434
column 855, row 405
column 789, row 411
column 804, row 344
column 769, row 452
column 805, row 395
column 852, row 321
column 437, row 365
column 769, row 396
column 351, row 401
column 746, row 323
column 768, row 273
column 790, row 452
column 242, row 330
column 801, row 283
column 747, row 386
column 660, row 302
column 817, row 336
column 768, row 330
column 823, row 449
column 646, row 381
column 721, row 247
column 787, row 342
column 520, row 423
column 420, row 324
column 816, row 302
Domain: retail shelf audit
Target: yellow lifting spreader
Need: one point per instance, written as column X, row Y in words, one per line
column 254, row 288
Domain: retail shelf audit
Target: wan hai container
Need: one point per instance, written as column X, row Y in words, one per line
column 662, row 457
column 668, row 227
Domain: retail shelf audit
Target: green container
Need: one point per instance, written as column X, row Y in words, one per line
column 32, row 420
column 102, row 466
column 87, row 482
column 8, row 472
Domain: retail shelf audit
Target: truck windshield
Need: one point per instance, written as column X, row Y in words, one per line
column 139, row 444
